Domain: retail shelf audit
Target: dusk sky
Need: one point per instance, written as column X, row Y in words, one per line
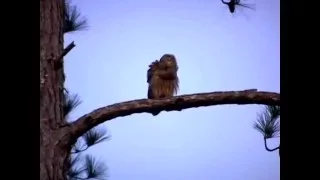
column 215, row 50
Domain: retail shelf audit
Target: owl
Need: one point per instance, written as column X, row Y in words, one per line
column 162, row 78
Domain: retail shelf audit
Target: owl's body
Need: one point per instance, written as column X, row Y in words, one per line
column 162, row 78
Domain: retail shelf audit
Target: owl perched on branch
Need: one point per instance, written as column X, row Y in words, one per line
column 162, row 78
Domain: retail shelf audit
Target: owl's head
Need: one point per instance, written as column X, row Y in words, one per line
column 168, row 60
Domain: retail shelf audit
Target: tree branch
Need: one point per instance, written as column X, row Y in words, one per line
column 267, row 148
column 67, row 50
column 225, row 2
column 177, row 103
column 58, row 61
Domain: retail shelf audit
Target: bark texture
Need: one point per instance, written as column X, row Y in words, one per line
column 54, row 137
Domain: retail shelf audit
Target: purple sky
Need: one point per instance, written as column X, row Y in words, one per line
column 215, row 50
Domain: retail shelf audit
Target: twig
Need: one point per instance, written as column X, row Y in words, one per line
column 67, row 50
column 58, row 61
column 266, row 146
column 79, row 150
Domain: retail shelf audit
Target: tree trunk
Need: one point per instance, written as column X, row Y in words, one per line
column 54, row 153
column 54, row 135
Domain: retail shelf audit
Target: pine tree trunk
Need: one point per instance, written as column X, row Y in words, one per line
column 53, row 155
column 54, row 136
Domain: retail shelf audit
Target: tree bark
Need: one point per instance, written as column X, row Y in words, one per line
column 54, row 135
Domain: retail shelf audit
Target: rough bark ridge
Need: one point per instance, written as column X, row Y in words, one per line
column 53, row 138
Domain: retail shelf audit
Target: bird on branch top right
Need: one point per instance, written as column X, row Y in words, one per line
column 233, row 3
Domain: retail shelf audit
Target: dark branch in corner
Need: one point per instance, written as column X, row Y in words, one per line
column 270, row 150
column 98, row 116
column 224, row 2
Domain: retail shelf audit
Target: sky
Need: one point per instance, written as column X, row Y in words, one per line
column 215, row 50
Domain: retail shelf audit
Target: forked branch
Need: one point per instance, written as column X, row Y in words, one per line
column 177, row 103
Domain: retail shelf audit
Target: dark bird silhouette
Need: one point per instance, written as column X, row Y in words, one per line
column 233, row 3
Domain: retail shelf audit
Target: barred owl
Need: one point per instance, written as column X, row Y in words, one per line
column 162, row 78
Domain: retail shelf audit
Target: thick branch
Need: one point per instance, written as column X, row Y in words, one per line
column 177, row 103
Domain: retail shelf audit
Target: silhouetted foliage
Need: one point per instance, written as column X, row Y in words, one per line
column 268, row 124
column 73, row 20
column 71, row 101
column 90, row 138
column 95, row 169
column 87, row 167
column 84, row 167
column 81, row 167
